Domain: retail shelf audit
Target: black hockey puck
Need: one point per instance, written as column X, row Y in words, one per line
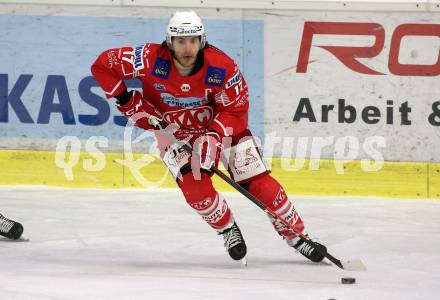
column 348, row 280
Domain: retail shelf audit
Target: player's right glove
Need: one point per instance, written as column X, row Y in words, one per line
column 140, row 111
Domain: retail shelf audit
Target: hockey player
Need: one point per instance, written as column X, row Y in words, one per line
column 10, row 229
column 200, row 90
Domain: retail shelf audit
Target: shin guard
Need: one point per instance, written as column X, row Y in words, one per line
column 271, row 193
column 203, row 198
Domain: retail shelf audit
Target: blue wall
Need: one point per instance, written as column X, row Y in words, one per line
column 46, row 89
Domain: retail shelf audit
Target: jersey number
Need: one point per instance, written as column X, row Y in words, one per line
column 238, row 88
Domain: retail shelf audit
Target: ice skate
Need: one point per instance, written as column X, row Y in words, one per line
column 308, row 250
column 9, row 228
column 234, row 242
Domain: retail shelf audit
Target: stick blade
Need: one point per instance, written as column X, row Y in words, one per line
column 353, row 265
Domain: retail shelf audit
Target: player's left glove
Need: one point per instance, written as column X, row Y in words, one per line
column 209, row 147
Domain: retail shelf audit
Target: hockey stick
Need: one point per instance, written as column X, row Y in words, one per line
column 350, row 265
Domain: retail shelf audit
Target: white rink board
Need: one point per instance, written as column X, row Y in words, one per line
column 327, row 79
column 137, row 244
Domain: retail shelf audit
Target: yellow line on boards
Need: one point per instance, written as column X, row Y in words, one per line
column 114, row 170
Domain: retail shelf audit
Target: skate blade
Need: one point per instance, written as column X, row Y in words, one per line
column 353, row 265
column 23, row 239
column 244, row 262
column 19, row 240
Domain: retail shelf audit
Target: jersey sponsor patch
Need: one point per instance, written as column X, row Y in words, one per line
column 159, row 86
column 161, row 68
column 138, row 62
column 234, row 79
column 190, row 118
column 185, row 102
column 215, row 76
column 185, row 87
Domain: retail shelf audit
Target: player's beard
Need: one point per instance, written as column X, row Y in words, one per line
column 187, row 61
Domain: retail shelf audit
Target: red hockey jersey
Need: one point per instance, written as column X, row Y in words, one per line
column 214, row 98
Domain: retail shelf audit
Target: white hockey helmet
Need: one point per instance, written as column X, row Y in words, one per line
column 185, row 23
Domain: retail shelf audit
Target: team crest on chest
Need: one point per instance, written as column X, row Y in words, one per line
column 161, row 68
column 197, row 118
column 215, row 76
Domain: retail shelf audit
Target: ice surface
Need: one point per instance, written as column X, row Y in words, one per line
column 143, row 244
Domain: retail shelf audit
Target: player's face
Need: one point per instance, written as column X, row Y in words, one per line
column 186, row 49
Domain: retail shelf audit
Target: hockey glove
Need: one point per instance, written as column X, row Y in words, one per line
column 139, row 110
column 209, row 147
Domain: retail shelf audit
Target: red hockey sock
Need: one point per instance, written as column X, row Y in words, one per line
column 201, row 196
column 271, row 193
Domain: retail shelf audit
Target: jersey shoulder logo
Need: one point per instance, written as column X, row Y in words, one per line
column 236, row 78
column 138, row 62
column 215, row 76
column 161, row 68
